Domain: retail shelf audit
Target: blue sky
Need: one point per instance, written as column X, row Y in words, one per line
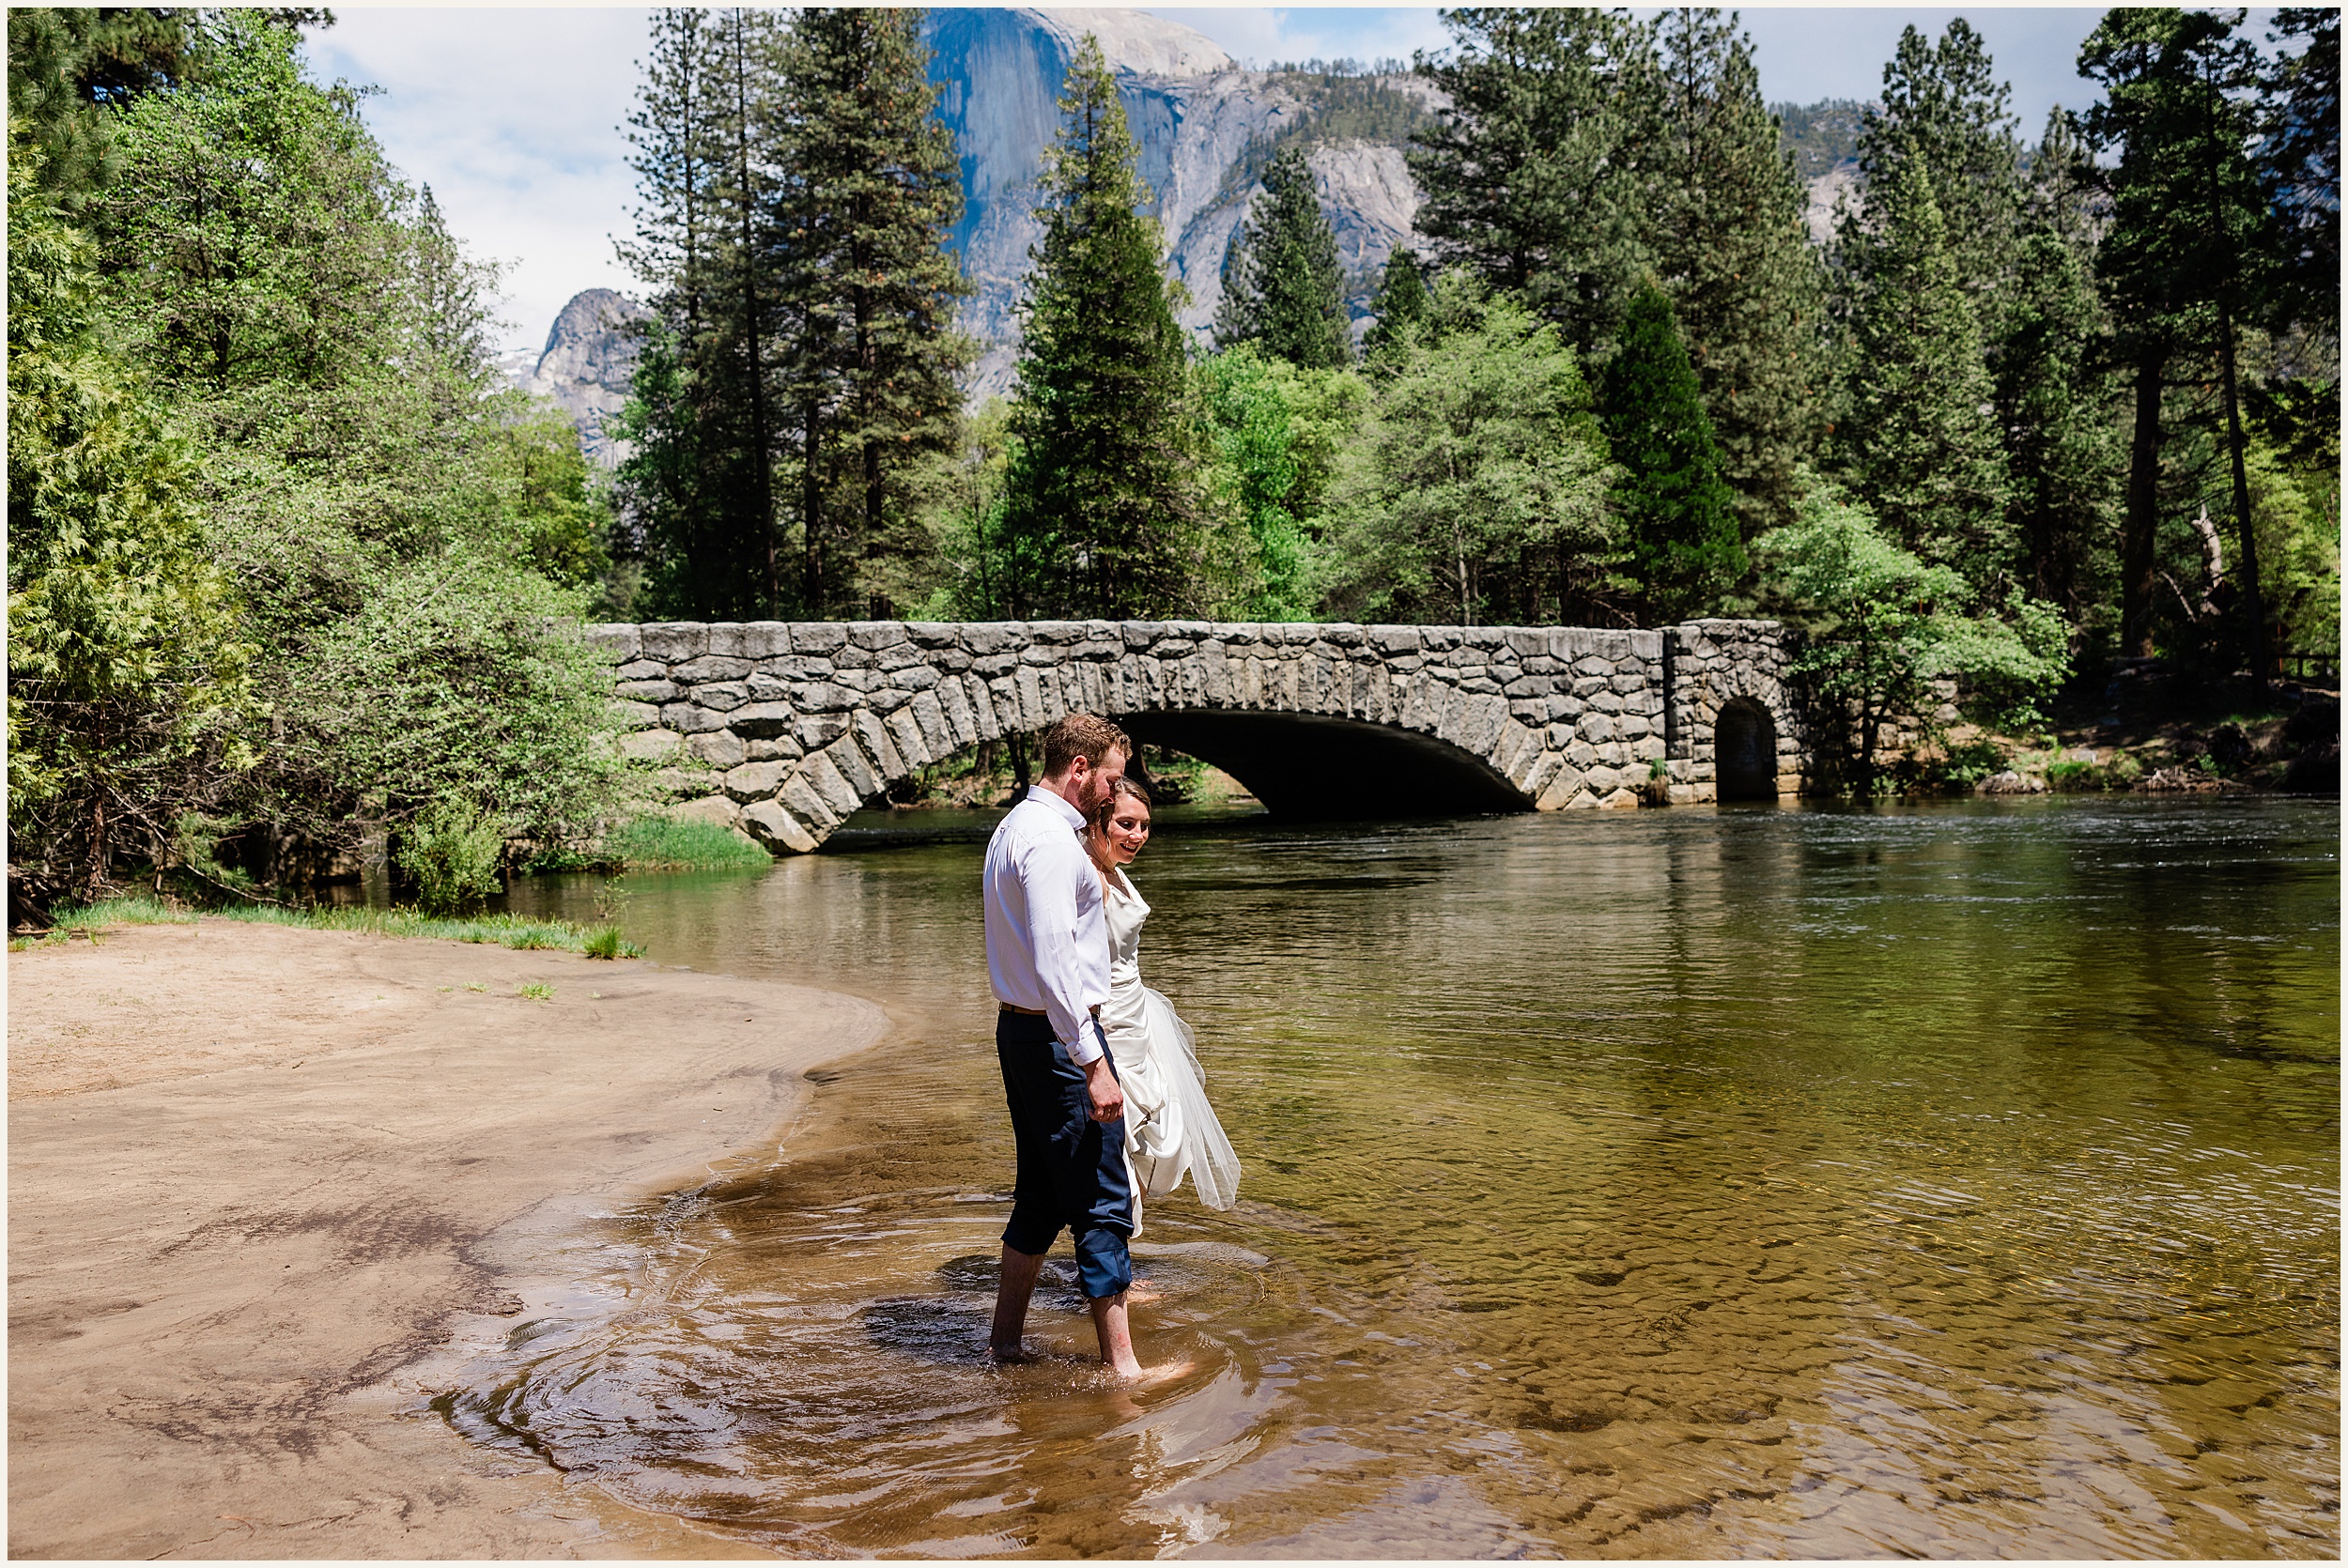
column 515, row 116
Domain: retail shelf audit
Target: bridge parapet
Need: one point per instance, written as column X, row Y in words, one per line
column 784, row 728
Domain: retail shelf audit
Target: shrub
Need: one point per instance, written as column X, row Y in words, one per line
column 453, row 852
column 2074, row 777
column 605, row 943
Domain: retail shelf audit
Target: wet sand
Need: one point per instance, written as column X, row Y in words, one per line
column 260, row 1179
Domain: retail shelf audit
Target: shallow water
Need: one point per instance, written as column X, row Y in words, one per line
column 1954, row 1181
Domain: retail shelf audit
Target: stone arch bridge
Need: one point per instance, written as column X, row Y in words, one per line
column 784, row 728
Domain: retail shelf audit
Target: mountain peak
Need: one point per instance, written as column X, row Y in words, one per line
column 1135, row 42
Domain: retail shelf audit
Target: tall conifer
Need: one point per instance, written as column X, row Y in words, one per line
column 1922, row 436
column 868, row 289
column 1678, row 526
column 1100, row 502
column 1731, row 248
column 2053, row 384
column 1401, row 299
column 1943, row 103
column 1524, row 170
column 701, row 233
column 1286, row 291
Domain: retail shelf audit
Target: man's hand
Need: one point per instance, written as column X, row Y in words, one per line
column 1108, row 1101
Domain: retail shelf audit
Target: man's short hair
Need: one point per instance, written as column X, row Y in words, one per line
column 1081, row 735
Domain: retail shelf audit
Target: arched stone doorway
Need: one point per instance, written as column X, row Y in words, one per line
column 1744, row 750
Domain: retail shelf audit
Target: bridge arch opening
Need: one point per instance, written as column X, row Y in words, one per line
column 1310, row 765
column 1744, row 750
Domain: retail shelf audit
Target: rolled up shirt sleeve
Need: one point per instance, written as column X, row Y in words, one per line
column 1050, row 873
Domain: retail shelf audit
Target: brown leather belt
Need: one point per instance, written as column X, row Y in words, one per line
column 1038, row 1012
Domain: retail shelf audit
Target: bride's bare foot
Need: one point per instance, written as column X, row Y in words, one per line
column 1142, row 1292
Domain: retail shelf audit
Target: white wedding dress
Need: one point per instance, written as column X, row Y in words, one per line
column 1171, row 1129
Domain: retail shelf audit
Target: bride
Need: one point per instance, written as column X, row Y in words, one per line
column 1169, row 1127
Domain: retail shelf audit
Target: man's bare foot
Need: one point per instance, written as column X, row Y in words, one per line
column 1150, row 1377
column 1018, row 1355
column 1143, row 1293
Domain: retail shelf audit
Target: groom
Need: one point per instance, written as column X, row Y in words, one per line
column 1047, row 951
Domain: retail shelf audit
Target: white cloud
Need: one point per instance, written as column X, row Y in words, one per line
column 516, row 119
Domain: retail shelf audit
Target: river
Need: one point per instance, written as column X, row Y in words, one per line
column 1946, row 1180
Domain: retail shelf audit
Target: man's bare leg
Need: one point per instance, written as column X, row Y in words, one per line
column 1116, row 1336
column 1017, row 1283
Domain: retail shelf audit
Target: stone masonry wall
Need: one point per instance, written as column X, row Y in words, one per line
column 783, row 730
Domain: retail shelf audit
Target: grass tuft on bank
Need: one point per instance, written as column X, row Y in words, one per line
column 669, row 844
column 521, row 933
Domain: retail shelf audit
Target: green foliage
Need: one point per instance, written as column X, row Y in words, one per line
column 1882, row 624
column 1944, row 112
column 1529, row 178
column 1923, row 445
column 129, row 669
column 67, row 62
column 453, row 854
column 1401, row 299
column 2299, row 166
column 2053, row 394
column 1724, row 216
column 1277, row 431
column 657, row 843
column 1101, row 511
column 285, row 562
column 519, row 931
column 1283, row 289
column 795, row 190
column 536, row 991
column 2189, row 253
column 1671, row 507
column 604, row 941
column 1476, row 492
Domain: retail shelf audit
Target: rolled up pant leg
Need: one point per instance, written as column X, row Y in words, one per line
column 1071, row 1169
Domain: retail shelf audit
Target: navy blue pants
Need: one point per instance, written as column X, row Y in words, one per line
column 1071, row 1169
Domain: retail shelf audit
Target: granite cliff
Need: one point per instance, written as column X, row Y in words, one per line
column 585, row 367
column 1204, row 128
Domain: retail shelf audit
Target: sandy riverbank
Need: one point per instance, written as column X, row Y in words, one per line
column 257, row 1173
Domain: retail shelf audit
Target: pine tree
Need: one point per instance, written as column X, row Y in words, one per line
column 1679, row 528
column 1400, row 300
column 1943, row 103
column 1101, row 507
column 1921, row 438
column 869, row 288
column 2051, row 369
column 1732, row 249
column 1525, row 174
column 1285, row 290
column 701, row 161
column 2188, row 255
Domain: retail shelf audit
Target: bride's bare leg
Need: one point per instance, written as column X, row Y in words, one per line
column 1117, row 1344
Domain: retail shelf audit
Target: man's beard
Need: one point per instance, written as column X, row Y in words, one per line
column 1099, row 786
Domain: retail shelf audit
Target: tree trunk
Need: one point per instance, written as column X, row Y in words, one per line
column 762, row 470
column 811, row 516
column 2138, row 575
column 2253, row 602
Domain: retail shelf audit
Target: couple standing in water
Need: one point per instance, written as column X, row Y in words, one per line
column 1107, row 1101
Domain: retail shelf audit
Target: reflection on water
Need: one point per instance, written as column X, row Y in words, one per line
column 1954, row 1181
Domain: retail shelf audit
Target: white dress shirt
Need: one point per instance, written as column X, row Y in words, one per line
column 1047, row 946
